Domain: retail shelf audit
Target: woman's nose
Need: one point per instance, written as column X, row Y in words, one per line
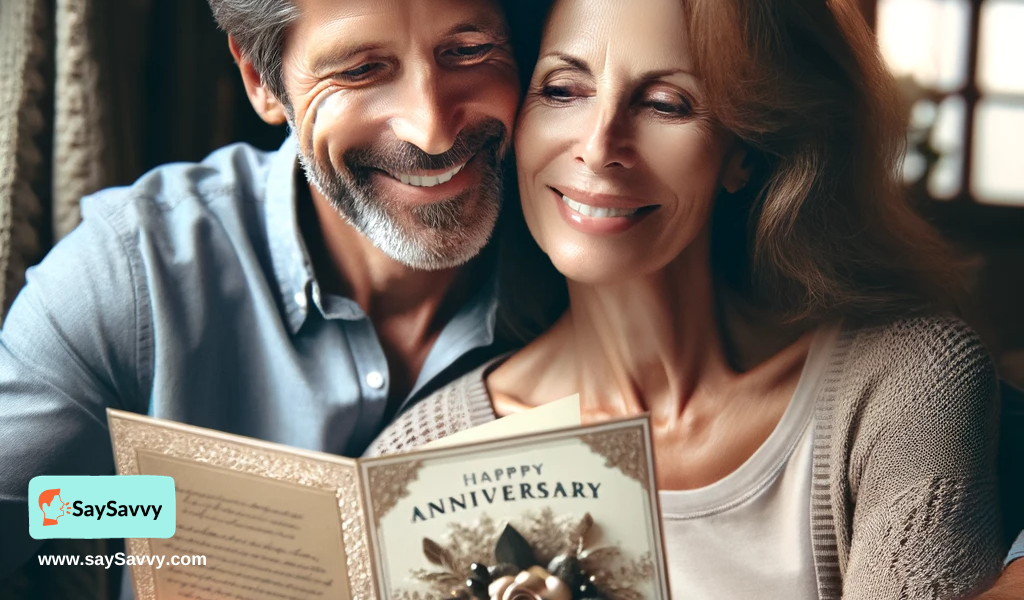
column 607, row 143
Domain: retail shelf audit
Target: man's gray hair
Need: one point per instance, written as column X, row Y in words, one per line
column 257, row 26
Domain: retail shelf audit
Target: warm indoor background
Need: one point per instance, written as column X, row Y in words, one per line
column 960, row 65
column 95, row 92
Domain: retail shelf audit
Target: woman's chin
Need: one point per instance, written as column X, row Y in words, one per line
column 589, row 268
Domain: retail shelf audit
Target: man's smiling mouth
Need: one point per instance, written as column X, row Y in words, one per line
column 429, row 180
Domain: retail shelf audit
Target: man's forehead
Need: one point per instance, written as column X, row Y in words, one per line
column 330, row 33
column 399, row 14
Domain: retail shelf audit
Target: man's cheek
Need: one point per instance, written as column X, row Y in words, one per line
column 333, row 128
column 495, row 91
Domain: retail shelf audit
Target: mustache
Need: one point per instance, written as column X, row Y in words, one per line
column 402, row 157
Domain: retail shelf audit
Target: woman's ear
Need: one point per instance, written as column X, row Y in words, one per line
column 266, row 104
column 738, row 169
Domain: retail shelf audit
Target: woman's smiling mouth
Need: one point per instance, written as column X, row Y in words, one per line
column 594, row 211
column 600, row 213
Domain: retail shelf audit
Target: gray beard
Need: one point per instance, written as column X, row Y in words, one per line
column 437, row 236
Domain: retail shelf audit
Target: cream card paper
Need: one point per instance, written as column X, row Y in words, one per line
column 278, row 523
column 273, row 522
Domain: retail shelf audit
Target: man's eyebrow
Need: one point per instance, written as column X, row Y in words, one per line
column 335, row 58
column 491, row 27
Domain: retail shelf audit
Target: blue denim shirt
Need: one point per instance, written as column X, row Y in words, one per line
column 1017, row 551
column 190, row 296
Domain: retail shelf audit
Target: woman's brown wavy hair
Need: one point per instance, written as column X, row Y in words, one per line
column 824, row 229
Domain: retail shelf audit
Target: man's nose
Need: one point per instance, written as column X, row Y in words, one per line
column 428, row 116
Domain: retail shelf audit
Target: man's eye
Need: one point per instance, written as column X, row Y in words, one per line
column 471, row 51
column 361, row 71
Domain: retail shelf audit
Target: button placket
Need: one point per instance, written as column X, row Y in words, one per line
column 375, row 379
column 371, row 367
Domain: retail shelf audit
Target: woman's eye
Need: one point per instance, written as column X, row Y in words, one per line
column 558, row 93
column 664, row 107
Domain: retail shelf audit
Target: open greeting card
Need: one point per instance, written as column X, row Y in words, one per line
column 566, row 514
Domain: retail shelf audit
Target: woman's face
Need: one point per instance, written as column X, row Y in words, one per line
column 619, row 160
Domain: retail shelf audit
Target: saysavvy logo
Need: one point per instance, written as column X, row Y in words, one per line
column 136, row 506
column 52, row 506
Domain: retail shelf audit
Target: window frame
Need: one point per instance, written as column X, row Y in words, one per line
column 963, row 218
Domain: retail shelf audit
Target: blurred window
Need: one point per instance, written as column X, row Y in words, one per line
column 961, row 63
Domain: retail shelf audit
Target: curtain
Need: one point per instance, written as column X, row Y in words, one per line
column 22, row 87
column 93, row 93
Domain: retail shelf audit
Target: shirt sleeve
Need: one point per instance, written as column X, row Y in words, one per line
column 68, row 350
column 1017, row 551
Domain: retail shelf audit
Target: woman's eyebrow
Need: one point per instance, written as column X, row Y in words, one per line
column 581, row 65
column 576, row 63
column 659, row 73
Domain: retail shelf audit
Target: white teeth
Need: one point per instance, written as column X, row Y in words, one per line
column 593, row 211
column 428, row 180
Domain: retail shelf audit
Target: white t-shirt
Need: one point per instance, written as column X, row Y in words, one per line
column 748, row 535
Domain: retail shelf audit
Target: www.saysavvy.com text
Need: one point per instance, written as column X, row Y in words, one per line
column 122, row 559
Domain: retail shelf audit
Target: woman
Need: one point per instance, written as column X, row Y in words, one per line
column 818, row 433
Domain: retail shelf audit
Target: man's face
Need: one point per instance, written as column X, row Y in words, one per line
column 404, row 111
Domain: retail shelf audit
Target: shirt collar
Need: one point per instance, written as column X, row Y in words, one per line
column 292, row 267
column 472, row 327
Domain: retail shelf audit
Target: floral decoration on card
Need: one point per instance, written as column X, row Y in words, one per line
column 543, row 557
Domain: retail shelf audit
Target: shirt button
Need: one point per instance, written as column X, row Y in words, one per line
column 375, row 380
column 300, row 299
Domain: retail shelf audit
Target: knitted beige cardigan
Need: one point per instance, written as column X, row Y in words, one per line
column 904, row 499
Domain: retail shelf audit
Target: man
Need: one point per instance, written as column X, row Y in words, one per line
column 304, row 306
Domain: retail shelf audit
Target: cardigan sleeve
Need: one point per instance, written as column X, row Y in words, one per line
column 926, row 521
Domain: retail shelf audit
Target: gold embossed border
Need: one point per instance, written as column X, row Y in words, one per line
column 389, row 483
column 623, row 449
column 129, row 435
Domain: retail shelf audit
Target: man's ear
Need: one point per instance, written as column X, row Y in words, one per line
column 739, row 168
column 266, row 104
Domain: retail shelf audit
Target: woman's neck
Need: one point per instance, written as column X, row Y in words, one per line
column 657, row 345
column 649, row 343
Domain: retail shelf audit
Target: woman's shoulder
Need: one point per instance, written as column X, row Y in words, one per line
column 923, row 350
column 911, row 369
